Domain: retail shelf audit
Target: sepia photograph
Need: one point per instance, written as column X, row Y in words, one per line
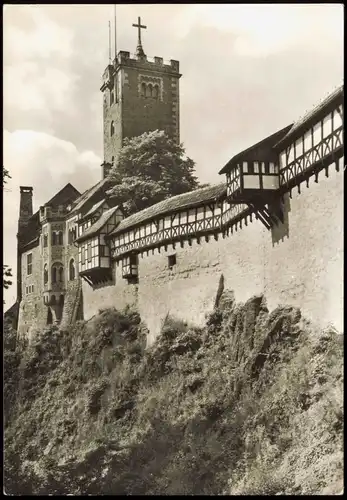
column 173, row 249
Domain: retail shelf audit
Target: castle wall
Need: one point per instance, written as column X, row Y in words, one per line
column 32, row 311
column 117, row 294
column 299, row 263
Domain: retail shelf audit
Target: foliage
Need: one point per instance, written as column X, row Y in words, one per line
column 149, row 169
column 6, row 270
column 250, row 404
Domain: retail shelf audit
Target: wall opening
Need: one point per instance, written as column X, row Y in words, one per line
column 171, row 260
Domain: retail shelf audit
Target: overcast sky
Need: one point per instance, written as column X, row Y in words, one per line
column 248, row 70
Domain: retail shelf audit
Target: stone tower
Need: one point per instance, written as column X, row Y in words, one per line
column 140, row 95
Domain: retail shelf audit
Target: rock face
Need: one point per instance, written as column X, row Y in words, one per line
column 251, row 403
column 73, row 302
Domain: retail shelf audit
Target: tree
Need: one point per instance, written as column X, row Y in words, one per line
column 149, row 169
column 6, row 270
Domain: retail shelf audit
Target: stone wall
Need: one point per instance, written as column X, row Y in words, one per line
column 32, row 311
column 299, row 263
column 117, row 293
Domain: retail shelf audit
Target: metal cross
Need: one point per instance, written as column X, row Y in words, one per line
column 139, row 26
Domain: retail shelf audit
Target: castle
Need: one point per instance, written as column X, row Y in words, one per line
column 273, row 225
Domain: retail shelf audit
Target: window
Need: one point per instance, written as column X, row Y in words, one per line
column 143, row 89
column 171, row 260
column 256, row 167
column 111, row 97
column 72, row 271
column 45, row 240
column 149, row 90
column 61, row 274
column 29, row 264
column 112, row 160
column 102, row 251
column 89, row 253
column 245, row 167
column 54, row 275
column 60, row 238
column 45, row 274
column 156, row 91
column 54, row 238
column 112, row 128
column 83, row 256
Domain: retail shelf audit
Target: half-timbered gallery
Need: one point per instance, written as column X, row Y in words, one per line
column 273, row 225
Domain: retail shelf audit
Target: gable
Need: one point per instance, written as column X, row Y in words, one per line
column 68, row 194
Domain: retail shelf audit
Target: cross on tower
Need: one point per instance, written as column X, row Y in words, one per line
column 139, row 26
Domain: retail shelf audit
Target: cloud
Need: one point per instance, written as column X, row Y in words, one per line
column 47, row 163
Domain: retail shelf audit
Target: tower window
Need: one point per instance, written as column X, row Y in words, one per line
column 149, row 90
column 143, row 89
column 112, row 128
column 45, row 240
column 29, row 264
column 111, row 97
column 60, row 238
column 156, row 91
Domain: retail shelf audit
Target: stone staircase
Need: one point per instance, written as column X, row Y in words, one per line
column 72, row 303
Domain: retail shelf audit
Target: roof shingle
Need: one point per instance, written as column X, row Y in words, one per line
column 185, row 200
column 98, row 225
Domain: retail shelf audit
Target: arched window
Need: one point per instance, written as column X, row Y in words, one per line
column 45, row 274
column 61, row 300
column 54, row 238
column 156, row 91
column 149, row 91
column 112, row 128
column 143, row 89
column 49, row 317
column 54, row 274
column 53, row 300
column 60, row 238
column 72, row 271
column 61, row 274
column 111, row 97
column 45, row 240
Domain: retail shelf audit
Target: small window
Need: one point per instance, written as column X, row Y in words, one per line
column 143, row 89
column 32, row 288
column 61, row 274
column 111, row 97
column 29, row 264
column 112, row 128
column 102, row 251
column 256, row 167
column 171, row 260
column 156, row 91
column 26, row 290
column 45, row 240
column 89, row 252
column 149, row 91
column 54, row 238
column 54, row 275
column 45, row 275
column 245, row 167
column 60, row 238
column 72, row 270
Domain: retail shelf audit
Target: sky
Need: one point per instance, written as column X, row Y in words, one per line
column 247, row 71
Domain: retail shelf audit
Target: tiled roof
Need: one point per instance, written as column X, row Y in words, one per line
column 94, row 208
column 268, row 142
column 310, row 115
column 87, row 195
column 98, row 225
column 173, row 204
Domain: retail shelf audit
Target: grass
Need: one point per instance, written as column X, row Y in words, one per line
column 250, row 404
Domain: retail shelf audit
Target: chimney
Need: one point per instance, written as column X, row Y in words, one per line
column 26, row 206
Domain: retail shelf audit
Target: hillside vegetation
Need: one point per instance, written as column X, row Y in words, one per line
column 249, row 404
